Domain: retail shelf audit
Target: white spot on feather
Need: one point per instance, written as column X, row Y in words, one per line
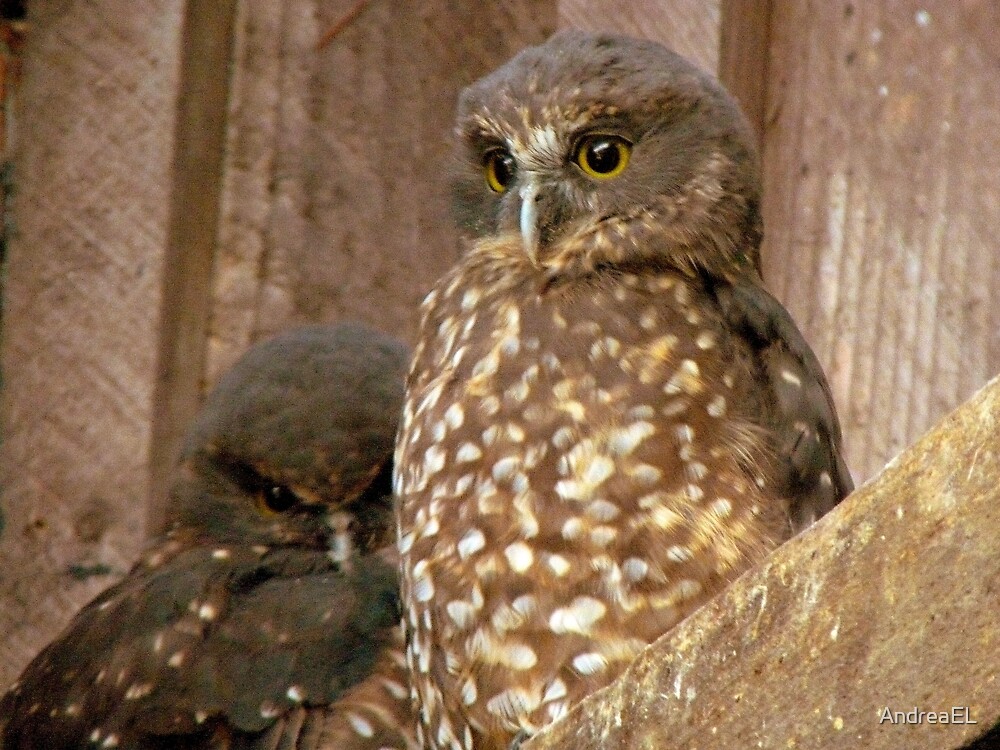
column 467, row 452
column 519, row 556
column 589, row 663
column 462, row 613
column 512, row 704
column 578, row 617
column 469, row 692
column 625, row 440
column 470, row 543
column 555, row 691
column 559, row 565
column 360, row 724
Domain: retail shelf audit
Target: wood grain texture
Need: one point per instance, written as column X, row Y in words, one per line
column 192, row 230
column 689, row 27
column 335, row 201
column 882, row 205
column 80, row 311
column 744, row 54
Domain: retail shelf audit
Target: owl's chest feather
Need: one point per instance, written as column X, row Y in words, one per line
column 572, row 483
column 591, row 415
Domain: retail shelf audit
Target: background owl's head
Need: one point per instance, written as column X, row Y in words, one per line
column 608, row 149
column 294, row 443
column 241, row 618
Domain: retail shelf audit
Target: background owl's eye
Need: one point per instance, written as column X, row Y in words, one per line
column 499, row 167
column 276, row 498
column 603, row 156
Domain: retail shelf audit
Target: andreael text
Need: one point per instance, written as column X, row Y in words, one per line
column 956, row 715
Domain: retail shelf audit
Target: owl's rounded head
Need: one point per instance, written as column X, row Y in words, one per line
column 604, row 150
column 295, row 439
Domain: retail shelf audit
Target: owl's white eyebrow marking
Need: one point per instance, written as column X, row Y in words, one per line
column 544, row 140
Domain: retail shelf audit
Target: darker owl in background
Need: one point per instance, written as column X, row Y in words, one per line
column 267, row 616
column 608, row 418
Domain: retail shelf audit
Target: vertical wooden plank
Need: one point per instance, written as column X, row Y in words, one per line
column 744, row 50
column 335, row 203
column 252, row 179
column 81, row 294
column 905, row 350
column 196, row 178
column 689, row 27
column 882, row 158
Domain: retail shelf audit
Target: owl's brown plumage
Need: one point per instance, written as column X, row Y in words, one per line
column 267, row 616
column 607, row 417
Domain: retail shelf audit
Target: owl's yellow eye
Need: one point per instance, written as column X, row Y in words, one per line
column 499, row 167
column 276, row 498
column 602, row 156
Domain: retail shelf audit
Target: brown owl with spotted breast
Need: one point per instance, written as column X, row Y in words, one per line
column 607, row 417
column 267, row 616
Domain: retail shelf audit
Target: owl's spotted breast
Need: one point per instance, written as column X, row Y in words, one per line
column 584, row 465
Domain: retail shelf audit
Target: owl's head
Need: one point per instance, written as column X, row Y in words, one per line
column 605, row 150
column 294, row 444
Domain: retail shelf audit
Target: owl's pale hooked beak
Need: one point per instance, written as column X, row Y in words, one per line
column 341, row 545
column 529, row 218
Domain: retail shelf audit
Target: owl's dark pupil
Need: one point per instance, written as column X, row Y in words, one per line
column 279, row 498
column 603, row 155
column 503, row 167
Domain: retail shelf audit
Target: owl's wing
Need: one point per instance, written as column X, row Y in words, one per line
column 217, row 647
column 809, row 441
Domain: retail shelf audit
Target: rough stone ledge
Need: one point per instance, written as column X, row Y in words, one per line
column 891, row 602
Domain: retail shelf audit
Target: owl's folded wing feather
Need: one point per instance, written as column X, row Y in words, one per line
column 808, row 437
column 207, row 650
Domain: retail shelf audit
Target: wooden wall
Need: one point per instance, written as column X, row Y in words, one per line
column 81, row 293
column 882, row 171
column 188, row 188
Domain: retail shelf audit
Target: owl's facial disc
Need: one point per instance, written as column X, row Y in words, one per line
column 626, row 149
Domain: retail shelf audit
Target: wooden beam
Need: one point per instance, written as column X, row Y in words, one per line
column 199, row 143
column 887, row 606
column 744, row 50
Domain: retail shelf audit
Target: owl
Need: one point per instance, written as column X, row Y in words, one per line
column 267, row 615
column 607, row 417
